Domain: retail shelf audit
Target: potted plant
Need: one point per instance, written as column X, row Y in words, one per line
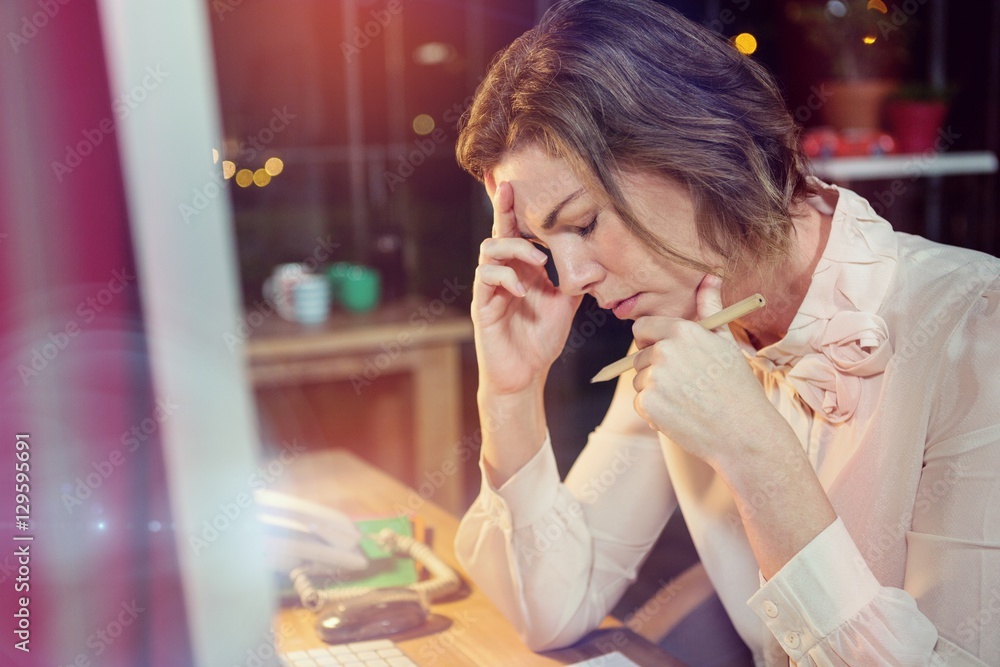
column 864, row 51
column 915, row 113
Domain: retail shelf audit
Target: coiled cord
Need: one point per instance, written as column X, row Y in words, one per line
column 443, row 581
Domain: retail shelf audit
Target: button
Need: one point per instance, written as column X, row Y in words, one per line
column 401, row 662
column 770, row 609
column 387, row 653
column 792, row 640
column 370, row 645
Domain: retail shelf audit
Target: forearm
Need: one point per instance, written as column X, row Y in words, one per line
column 780, row 499
column 553, row 557
column 513, row 428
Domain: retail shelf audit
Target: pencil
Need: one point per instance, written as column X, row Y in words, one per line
column 724, row 316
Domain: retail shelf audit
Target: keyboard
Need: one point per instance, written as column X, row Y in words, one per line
column 375, row 653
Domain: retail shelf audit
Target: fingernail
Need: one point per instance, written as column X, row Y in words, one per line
column 521, row 290
column 539, row 256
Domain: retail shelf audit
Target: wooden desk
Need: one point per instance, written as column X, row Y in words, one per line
column 479, row 636
column 418, row 337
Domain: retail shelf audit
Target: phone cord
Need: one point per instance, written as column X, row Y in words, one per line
column 443, row 581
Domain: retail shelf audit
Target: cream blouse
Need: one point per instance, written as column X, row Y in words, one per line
column 890, row 377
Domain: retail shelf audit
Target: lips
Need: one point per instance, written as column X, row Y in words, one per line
column 622, row 308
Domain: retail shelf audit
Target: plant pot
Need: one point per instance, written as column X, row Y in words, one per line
column 856, row 104
column 915, row 123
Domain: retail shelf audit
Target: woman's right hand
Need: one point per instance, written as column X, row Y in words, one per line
column 521, row 320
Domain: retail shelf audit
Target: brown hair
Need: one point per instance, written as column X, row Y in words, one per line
column 614, row 86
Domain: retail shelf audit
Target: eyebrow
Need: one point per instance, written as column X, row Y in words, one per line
column 550, row 219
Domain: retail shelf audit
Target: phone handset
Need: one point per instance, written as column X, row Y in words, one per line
column 300, row 531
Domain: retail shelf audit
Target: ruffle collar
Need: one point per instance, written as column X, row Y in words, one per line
column 837, row 338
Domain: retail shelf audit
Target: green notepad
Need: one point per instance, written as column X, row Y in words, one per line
column 385, row 569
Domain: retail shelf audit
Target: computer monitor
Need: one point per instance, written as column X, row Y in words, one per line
column 188, row 280
column 116, row 377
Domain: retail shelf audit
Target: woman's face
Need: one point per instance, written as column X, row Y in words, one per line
column 593, row 251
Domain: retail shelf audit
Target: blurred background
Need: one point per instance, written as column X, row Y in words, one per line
column 302, row 155
column 373, row 97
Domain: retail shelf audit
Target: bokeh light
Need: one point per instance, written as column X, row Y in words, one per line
column 836, row 8
column 423, row 124
column 274, row 166
column 745, row 43
column 261, row 177
column 244, row 177
column 228, row 168
column 433, row 53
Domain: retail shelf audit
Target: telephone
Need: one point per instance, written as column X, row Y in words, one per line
column 305, row 540
column 300, row 531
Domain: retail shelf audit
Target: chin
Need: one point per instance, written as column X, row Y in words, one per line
column 671, row 308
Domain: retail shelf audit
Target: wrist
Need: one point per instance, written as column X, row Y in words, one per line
column 526, row 407
column 764, row 456
column 533, row 391
column 782, row 504
column 513, row 429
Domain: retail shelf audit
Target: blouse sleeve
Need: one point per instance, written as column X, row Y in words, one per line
column 825, row 607
column 555, row 557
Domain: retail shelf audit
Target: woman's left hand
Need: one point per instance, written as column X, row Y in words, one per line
column 696, row 387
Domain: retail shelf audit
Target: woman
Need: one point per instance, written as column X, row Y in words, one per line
column 835, row 455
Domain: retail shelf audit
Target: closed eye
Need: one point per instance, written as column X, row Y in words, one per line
column 533, row 239
column 588, row 230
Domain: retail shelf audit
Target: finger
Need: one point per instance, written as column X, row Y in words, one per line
column 651, row 328
column 709, row 296
column 641, row 411
column 709, row 302
column 643, row 360
column 490, row 181
column 504, row 222
column 501, row 250
column 499, row 275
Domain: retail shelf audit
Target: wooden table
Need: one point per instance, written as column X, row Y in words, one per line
column 419, row 337
column 478, row 635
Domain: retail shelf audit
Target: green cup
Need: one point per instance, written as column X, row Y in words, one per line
column 355, row 287
column 337, row 273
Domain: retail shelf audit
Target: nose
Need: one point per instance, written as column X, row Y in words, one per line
column 578, row 273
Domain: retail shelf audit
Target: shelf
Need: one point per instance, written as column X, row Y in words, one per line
column 915, row 165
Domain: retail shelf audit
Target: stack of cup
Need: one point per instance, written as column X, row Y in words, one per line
column 279, row 288
column 311, row 299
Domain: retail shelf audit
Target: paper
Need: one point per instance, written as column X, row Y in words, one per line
column 615, row 659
